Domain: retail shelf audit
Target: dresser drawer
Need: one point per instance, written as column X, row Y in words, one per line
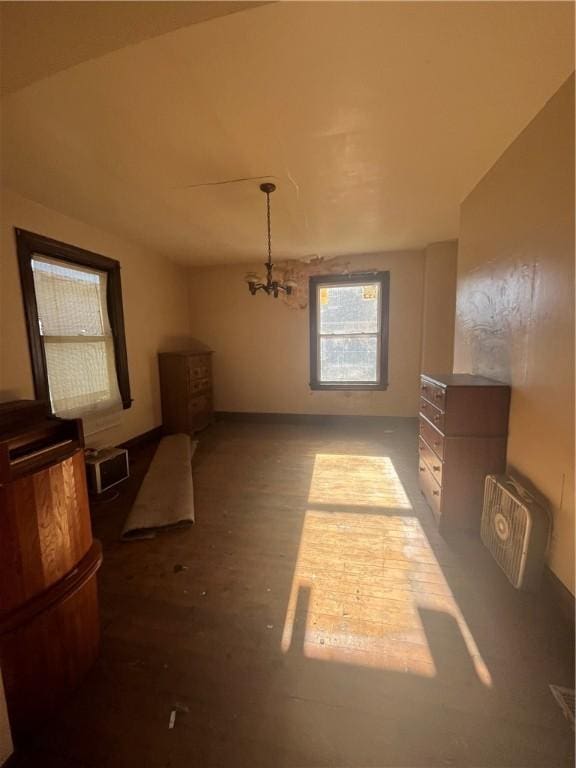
column 199, row 386
column 432, row 414
column 433, row 393
column 430, row 488
column 186, row 389
column 430, row 459
column 199, row 367
column 431, row 436
column 200, row 403
column 199, row 412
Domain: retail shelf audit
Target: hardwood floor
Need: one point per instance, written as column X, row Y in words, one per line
column 312, row 616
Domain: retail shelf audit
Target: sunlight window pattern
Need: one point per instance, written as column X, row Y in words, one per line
column 367, row 583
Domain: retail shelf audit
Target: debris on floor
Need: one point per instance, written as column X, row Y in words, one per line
column 182, row 708
column 566, row 699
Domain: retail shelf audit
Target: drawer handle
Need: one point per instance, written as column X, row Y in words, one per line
column 438, row 395
column 436, row 443
column 436, row 468
column 435, row 493
column 437, row 418
column 422, row 469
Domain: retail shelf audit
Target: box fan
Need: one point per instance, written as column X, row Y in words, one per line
column 516, row 530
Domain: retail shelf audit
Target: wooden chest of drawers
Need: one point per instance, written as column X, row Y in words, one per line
column 186, row 388
column 463, row 429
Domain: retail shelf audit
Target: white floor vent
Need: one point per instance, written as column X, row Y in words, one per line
column 515, row 528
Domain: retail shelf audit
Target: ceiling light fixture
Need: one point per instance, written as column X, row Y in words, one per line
column 255, row 282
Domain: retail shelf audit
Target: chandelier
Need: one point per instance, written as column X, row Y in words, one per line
column 270, row 285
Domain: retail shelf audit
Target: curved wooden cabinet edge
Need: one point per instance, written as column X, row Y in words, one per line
column 60, row 592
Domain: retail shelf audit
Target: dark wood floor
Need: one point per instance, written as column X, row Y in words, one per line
column 312, row 617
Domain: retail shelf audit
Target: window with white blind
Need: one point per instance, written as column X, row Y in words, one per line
column 77, row 338
column 349, row 331
column 74, row 311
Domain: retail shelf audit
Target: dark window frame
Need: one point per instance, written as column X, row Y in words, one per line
column 30, row 243
column 370, row 277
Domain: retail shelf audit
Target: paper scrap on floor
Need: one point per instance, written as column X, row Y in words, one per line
column 166, row 497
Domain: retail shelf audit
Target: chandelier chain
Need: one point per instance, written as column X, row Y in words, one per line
column 268, row 217
column 271, row 286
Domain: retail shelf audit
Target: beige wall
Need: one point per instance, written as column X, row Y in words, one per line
column 439, row 306
column 515, row 304
column 155, row 310
column 261, row 345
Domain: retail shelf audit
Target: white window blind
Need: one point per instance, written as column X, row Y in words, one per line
column 78, row 342
column 349, row 333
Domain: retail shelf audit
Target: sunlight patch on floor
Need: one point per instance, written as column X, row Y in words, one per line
column 358, row 480
column 362, row 578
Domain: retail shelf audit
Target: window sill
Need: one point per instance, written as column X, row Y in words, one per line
column 317, row 386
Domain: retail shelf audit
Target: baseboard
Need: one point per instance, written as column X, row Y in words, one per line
column 146, row 437
column 312, row 418
column 555, row 590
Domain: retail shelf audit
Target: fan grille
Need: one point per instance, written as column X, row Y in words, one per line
column 505, row 529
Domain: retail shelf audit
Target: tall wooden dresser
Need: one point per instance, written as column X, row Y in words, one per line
column 186, row 385
column 463, row 432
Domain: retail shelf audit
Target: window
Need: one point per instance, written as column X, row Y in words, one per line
column 73, row 306
column 349, row 331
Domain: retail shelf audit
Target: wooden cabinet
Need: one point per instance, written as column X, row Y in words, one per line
column 463, row 432
column 49, row 628
column 186, row 386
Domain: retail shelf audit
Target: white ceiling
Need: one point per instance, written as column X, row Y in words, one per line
column 374, row 119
